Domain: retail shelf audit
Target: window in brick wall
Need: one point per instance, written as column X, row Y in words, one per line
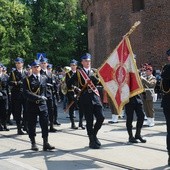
column 138, row 5
column 91, row 19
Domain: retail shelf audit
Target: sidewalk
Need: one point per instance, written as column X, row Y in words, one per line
column 72, row 150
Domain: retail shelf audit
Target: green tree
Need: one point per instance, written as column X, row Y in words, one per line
column 57, row 29
column 14, row 30
column 81, row 38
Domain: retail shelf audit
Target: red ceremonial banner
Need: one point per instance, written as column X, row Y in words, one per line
column 119, row 75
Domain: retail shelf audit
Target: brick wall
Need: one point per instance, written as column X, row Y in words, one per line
column 113, row 18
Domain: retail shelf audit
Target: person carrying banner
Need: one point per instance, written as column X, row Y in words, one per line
column 135, row 105
column 165, row 86
column 89, row 99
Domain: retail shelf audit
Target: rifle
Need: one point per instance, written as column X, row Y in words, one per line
column 77, row 96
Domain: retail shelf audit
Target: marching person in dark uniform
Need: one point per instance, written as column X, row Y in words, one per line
column 71, row 96
column 28, row 70
column 135, row 104
column 55, row 83
column 17, row 99
column 50, row 104
column 35, row 94
column 165, row 86
column 9, row 111
column 89, row 99
column 3, row 99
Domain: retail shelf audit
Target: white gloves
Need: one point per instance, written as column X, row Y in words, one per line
column 43, row 98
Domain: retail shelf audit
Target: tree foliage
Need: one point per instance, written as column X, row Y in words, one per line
column 14, row 30
column 57, row 28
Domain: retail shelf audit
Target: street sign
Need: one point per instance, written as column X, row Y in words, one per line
column 41, row 55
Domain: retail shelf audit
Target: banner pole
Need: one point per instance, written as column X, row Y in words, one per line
column 136, row 24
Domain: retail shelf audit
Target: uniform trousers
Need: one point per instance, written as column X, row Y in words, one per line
column 3, row 110
column 92, row 107
column 166, row 111
column 129, row 109
column 70, row 96
column 148, row 108
column 17, row 101
column 32, row 120
column 50, row 107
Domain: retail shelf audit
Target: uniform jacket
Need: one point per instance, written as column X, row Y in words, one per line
column 85, row 97
column 17, row 77
column 165, row 85
column 149, row 84
column 70, row 88
column 49, row 83
column 4, row 89
column 135, row 100
column 33, row 90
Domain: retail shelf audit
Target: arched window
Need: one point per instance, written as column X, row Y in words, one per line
column 138, row 5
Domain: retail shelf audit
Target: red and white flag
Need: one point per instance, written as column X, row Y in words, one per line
column 119, row 75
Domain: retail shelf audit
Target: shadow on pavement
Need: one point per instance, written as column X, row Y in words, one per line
column 72, row 164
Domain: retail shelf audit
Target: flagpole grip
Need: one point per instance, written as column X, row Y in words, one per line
column 136, row 24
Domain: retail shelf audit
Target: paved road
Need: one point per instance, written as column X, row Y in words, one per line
column 72, row 150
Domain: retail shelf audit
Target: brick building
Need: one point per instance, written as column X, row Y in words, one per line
column 109, row 20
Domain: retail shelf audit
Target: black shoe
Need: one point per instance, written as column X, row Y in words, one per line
column 82, row 127
column 133, row 140
column 111, row 122
column 53, row 130
column 94, row 145
column 25, row 129
column 47, row 146
column 74, row 127
column 1, row 128
column 5, row 128
column 57, row 123
column 97, row 141
column 20, row 132
column 141, row 139
column 34, row 147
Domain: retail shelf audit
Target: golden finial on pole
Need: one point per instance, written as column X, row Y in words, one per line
column 132, row 28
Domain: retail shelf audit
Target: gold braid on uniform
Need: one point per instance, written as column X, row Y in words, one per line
column 13, row 76
column 79, row 79
column 96, row 74
column 161, row 85
column 36, row 92
column 69, row 75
